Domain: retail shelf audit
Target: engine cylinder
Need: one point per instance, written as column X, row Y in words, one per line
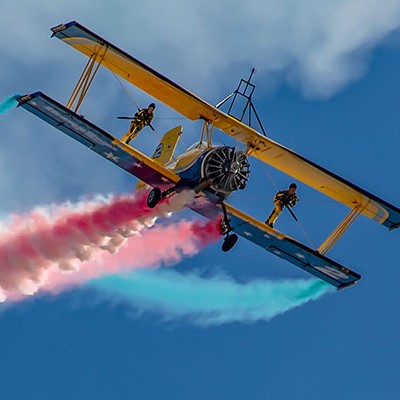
column 227, row 169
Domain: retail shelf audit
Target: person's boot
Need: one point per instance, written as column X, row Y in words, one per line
column 270, row 224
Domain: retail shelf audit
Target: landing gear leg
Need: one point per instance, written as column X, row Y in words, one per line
column 230, row 238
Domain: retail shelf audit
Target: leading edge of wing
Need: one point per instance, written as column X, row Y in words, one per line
column 98, row 140
column 142, row 76
column 290, row 250
column 133, row 70
column 193, row 107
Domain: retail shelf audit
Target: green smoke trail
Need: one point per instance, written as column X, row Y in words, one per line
column 211, row 301
column 8, row 103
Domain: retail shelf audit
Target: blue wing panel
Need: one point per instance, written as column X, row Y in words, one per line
column 97, row 140
column 281, row 245
column 290, row 250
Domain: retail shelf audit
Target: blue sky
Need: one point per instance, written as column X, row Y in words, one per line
column 327, row 87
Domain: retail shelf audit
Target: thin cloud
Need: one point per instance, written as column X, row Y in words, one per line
column 318, row 47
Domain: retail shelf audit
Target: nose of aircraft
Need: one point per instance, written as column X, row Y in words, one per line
column 228, row 169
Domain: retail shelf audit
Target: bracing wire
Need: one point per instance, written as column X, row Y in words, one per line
column 270, row 177
column 125, row 90
column 132, row 100
column 136, row 105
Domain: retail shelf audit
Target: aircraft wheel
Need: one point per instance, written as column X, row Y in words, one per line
column 229, row 242
column 154, row 197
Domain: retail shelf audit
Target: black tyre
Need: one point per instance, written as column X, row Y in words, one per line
column 154, row 197
column 229, row 242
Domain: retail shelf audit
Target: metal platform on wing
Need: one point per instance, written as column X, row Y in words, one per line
column 96, row 139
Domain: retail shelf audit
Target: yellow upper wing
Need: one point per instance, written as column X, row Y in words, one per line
column 195, row 108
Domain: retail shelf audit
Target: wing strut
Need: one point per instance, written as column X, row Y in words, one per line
column 85, row 80
column 207, row 131
column 341, row 229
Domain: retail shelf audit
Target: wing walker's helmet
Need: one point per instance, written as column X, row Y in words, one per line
column 293, row 185
column 152, row 105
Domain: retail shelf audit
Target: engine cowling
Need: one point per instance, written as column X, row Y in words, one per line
column 227, row 170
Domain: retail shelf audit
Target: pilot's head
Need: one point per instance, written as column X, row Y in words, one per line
column 292, row 188
column 151, row 107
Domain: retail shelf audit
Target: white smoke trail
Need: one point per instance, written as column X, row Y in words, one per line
column 62, row 237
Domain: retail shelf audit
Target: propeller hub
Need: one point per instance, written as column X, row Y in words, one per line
column 228, row 169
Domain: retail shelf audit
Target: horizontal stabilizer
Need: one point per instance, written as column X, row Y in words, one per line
column 98, row 140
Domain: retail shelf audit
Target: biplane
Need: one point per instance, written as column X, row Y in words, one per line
column 213, row 172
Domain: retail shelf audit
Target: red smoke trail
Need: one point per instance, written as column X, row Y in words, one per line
column 155, row 246
column 37, row 247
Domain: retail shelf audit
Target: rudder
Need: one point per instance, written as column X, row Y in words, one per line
column 165, row 150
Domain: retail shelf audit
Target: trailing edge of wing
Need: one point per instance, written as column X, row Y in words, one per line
column 194, row 108
column 98, row 140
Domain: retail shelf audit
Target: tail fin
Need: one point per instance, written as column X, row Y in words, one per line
column 165, row 150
